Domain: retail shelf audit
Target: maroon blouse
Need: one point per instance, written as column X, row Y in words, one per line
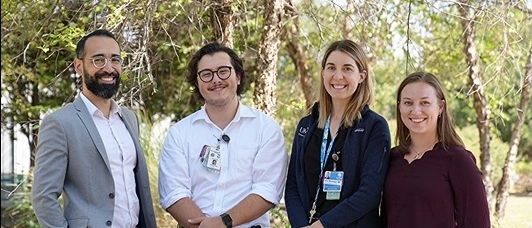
column 442, row 189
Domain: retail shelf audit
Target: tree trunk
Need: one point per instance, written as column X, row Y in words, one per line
column 477, row 90
column 349, row 24
column 509, row 163
column 222, row 21
column 297, row 53
column 264, row 94
column 29, row 128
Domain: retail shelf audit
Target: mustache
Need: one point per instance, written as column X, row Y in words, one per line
column 104, row 74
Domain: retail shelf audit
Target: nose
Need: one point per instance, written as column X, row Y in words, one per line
column 338, row 74
column 416, row 108
column 216, row 77
column 109, row 68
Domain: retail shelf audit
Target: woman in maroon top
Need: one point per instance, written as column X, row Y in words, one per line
column 432, row 179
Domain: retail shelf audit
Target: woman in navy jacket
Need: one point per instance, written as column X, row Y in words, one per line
column 347, row 167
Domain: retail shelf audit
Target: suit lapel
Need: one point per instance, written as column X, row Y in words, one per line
column 86, row 118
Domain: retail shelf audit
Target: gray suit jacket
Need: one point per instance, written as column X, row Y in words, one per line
column 71, row 161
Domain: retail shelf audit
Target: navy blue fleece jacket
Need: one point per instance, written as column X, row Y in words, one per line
column 366, row 153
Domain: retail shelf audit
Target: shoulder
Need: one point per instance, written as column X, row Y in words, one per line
column 69, row 110
column 248, row 111
column 372, row 116
column 304, row 125
column 256, row 114
column 461, row 155
column 374, row 121
column 190, row 119
column 395, row 153
column 462, row 164
column 127, row 111
column 456, row 156
column 307, row 120
column 64, row 112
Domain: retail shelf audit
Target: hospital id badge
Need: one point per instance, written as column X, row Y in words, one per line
column 332, row 184
column 212, row 159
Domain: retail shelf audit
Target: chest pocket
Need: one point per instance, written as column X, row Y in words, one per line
column 242, row 159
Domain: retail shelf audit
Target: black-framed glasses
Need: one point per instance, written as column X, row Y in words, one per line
column 101, row 61
column 223, row 72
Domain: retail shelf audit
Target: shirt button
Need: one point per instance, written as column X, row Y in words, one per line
column 108, row 223
column 111, row 195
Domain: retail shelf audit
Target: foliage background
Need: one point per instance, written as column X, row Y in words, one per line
column 158, row 37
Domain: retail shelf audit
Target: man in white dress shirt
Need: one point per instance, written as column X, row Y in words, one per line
column 224, row 165
column 89, row 151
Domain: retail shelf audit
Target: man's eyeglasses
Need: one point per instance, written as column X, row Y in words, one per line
column 101, row 61
column 223, row 72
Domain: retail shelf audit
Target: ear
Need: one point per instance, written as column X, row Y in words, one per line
column 78, row 66
column 363, row 75
column 442, row 105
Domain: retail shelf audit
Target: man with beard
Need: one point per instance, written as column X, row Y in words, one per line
column 89, row 152
column 224, row 165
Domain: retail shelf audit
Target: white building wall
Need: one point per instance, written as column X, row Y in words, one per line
column 15, row 155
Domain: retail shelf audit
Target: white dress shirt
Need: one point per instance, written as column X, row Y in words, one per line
column 253, row 161
column 122, row 157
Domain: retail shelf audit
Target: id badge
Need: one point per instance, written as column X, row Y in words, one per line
column 332, row 184
column 211, row 160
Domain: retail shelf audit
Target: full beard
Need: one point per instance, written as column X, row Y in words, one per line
column 102, row 90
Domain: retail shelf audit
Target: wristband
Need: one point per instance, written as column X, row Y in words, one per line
column 228, row 221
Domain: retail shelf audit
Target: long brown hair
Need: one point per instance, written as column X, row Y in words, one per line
column 363, row 94
column 445, row 128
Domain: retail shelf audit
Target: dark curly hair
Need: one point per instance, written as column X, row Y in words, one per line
column 211, row 49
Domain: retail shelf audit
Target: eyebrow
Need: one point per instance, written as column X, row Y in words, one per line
column 216, row 68
column 422, row 98
column 100, row 54
column 349, row 64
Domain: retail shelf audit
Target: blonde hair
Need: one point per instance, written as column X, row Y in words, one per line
column 364, row 93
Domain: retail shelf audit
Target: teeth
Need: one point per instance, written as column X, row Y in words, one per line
column 417, row 120
column 107, row 78
column 338, row 86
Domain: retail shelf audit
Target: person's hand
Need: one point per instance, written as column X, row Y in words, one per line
column 316, row 224
column 208, row 222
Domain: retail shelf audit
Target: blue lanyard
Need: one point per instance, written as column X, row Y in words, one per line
column 324, row 156
column 325, row 153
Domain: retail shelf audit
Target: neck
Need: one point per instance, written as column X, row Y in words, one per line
column 104, row 105
column 338, row 110
column 221, row 116
column 422, row 143
column 337, row 114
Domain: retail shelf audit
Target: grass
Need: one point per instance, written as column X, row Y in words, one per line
column 518, row 212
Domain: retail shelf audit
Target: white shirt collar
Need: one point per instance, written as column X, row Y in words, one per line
column 242, row 112
column 115, row 108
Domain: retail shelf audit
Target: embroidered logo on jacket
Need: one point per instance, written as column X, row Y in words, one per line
column 302, row 131
column 359, row 130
